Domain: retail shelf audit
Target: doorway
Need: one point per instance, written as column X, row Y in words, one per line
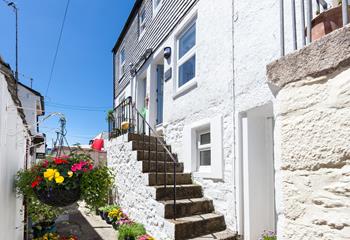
column 257, row 172
column 160, row 93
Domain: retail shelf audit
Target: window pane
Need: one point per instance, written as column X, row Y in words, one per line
column 205, row 159
column 122, row 56
column 205, row 138
column 187, row 71
column 142, row 16
column 156, row 3
column 187, row 41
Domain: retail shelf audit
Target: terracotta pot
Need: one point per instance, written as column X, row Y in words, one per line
column 327, row 22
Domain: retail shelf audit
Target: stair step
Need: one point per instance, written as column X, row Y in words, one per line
column 182, row 192
column 198, row 225
column 181, row 178
column 139, row 145
column 145, row 138
column 223, row 235
column 143, row 155
column 188, row 207
column 152, row 167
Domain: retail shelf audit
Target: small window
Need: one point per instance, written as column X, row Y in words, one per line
column 187, row 55
column 204, row 151
column 156, row 6
column 142, row 21
column 122, row 62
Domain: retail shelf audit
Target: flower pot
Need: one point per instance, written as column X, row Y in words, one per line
column 105, row 215
column 129, row 238
column 116, row 225
column 327, row 22
column 58, row 197
column 109, row 220
column 40, row 229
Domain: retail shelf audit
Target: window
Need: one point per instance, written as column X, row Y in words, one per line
column 187, row 55
column 142, row 21
column 122, row 62
column 156, row 6
column 204, row 151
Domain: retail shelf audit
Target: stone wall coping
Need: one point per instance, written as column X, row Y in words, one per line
column 322, row 57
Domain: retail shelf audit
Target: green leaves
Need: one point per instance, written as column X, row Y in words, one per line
column 131, row 230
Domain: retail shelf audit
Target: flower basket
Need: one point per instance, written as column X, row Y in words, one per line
column 40, row 229
column 58, row 197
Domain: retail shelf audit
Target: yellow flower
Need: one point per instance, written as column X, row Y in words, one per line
column 70, row 173
column 50, row 173
column 59, row 179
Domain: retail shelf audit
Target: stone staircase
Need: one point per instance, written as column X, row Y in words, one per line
column 195, row 215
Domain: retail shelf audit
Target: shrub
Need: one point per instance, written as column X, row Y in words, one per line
column 131, row 230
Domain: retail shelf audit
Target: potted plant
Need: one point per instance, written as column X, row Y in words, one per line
column 145, row 237
column 43, row 217
column 268, row 235
column 61, row 181
column 327, row 21
column 131, row 231
column 106, row 209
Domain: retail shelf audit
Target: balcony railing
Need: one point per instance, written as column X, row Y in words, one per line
column 307, row 11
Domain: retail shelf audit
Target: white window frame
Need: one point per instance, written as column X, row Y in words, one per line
column 142, row 23
column 156, row 8
column 201, row 148
column 122, row 68
column 192, row 52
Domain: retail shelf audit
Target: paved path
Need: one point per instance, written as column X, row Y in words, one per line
column 85, row 225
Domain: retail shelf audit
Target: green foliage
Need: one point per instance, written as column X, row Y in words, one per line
column 108, row 208
column 40, row 212
column 110, row 115
column 131, row 230
column 95, row 186
column 23, row 181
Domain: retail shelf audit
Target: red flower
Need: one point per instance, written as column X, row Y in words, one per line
column 59, row 161
column 91, row 167
column 45, row 164
column 36, row 182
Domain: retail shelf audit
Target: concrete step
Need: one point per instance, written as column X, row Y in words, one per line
column 188, row 207
column 181, row 178
column 223, row 235
column 182, row 192
column 145, row 138
column 198, row 225
column 153, row 166
column 140, row 145
column 143, row 155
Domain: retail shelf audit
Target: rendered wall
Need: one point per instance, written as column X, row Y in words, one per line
column 312, row 139
column 12, row 156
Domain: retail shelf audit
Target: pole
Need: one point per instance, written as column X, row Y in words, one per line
column 13, row 5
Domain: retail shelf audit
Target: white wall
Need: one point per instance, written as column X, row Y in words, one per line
column 29, row 103
column 12, row 157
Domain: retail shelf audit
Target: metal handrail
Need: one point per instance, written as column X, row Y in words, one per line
column 128, row 113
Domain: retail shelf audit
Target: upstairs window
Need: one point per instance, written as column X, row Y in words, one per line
column 142, row 21
column 122, row 63
column 156, row 6
column 187, row 55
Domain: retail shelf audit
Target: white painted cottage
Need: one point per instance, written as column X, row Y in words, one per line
column 196, row 71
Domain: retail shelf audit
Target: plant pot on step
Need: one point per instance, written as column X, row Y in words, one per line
column 327, row 22
column 58, row 197
column 129, row 238
column 109, row 220
column 40, row 229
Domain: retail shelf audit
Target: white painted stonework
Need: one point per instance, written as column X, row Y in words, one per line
column 13, row 137
column 313, row 158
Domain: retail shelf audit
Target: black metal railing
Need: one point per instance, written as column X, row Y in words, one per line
column 303, row 26
column 128, row 119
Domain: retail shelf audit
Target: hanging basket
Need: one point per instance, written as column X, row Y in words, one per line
column 58, row 197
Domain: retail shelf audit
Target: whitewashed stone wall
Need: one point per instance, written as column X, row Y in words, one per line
column 312, row 139
column 132, row 194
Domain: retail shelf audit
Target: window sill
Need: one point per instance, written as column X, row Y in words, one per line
column 185, row 89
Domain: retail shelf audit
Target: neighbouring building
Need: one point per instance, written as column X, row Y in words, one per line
column 17, row 138
column 192, row 74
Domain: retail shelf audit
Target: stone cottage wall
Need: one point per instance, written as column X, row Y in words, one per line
column 132, row 194
column 312, row 137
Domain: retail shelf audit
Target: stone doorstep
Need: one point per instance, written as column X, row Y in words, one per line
column 181, row 178
column 186, row 207
column 140, row 145
column 195, row 226
column 160, row 169
column 182, row 192
column 143, row 155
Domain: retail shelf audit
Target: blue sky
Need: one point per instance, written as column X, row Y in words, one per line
column 83, row 71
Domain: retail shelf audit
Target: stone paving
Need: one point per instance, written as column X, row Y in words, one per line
column 85, row 225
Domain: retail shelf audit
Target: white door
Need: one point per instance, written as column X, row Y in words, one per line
column 258, row 173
